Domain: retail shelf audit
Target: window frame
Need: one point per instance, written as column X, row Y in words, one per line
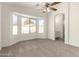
column 21, row 24
column 19, row 27
column 35, row 24
column 43, row 26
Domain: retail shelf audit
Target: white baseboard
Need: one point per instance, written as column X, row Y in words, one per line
column 12, row 43
column 51, row 38
column 75, row 43
column 66, row 42
column 7, row 45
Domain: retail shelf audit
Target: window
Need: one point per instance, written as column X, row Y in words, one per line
column 41, row 26
column 32, row 23
column 14, row 25
column 24, row 25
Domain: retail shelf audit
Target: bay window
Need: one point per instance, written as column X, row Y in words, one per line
column 27, row 25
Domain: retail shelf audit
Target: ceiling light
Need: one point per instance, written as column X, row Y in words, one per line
column 48, row 10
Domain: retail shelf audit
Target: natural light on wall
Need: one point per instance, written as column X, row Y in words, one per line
column 14, row 25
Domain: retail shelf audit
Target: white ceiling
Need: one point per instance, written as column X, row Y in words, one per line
column 29, row 4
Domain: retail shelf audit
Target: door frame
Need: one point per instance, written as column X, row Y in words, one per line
column 63, row 25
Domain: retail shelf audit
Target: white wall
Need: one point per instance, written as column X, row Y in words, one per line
column 0, row 26
column 51, row 26
column 62, row 8
column 7, row 37
column 74, row 24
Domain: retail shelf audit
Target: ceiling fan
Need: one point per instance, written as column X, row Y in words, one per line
column 49, row 6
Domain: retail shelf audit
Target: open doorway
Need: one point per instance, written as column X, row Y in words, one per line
column 59, row 26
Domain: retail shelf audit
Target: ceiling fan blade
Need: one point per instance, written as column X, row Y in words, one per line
column 53, row 8
column 55, row 3
column 47, row 4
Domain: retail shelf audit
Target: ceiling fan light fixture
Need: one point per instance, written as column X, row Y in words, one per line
column 44, row 10
column 48, row 10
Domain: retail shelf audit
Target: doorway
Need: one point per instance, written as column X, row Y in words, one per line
column 59, row 26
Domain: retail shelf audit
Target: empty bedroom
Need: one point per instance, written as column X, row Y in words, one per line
column 39, row 29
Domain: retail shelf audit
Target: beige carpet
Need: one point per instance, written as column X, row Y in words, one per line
column 40, row 48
